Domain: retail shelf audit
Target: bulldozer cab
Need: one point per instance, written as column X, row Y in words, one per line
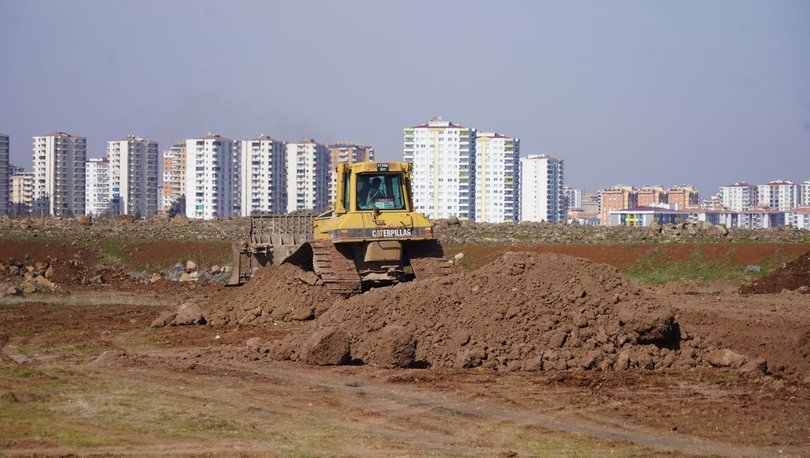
column 368, row 186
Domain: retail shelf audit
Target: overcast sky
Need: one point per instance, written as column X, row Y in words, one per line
column 639, row 92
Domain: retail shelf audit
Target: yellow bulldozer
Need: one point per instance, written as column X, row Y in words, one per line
column 371, row 236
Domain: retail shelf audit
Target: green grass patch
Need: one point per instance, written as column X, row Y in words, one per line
column 656, row 269
column 19, row 373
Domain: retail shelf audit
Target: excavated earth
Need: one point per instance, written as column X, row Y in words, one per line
column 791, row 276
column 524, row 311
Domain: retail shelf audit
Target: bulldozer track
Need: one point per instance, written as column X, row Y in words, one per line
column 427, row 259
column 336, row 269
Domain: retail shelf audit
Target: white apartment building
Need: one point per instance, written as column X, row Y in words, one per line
column 798, row 217
column 21, row 195
column 212, row 177
column 345, row 153
column 263, row 183
column 443, row 177
column 133, row 175
column 804, row 193
column 97, row 187
column 173, row 192
column 541, row 185
column 497, row 178
column 573, row 197
column 738, row 196
column 307, row 176
column 779, row 195
column 59, row 174
column 5, row 169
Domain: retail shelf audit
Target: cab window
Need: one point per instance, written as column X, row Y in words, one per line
column 380, row 190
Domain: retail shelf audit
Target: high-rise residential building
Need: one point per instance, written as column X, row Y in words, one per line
column 779, row 195
column 307, row 176
column 345, row 153
column 133, row 174
column 263, row 183
column 590, row 203
column 652, row 195
column 619, row 197
column 212, row 177
column 683, row 196
column 59, row 174
column 804, row 193
column 21, row 195
column 738, row 196
column 573, row 198
column 497, row 178
column 97, row 187
column 173, row 191
column 5, row 170
column 443, row 177
column 541, row 186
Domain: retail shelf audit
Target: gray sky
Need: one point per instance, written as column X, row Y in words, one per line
column 638, row 92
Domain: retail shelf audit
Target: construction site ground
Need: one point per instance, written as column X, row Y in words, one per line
column 82, row 372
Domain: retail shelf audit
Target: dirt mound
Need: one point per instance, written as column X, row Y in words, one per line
column 275, row 293
column 792, row 275
column 529, row 311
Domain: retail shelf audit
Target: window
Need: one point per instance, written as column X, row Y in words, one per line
column 380, row 190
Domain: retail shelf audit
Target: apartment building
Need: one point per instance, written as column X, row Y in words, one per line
column 263, row 176
column 5, row 169
column 779, row 195
column 21, row 192
column 307, row 176
column 683, row 196
column 738, row 196
column 97, row 187
column 804, row 193
column 133, row 175
column 798, row 217
column 59, row 180
column 212, row 177
column 497, row 178
column 345, row 153
column 173, row 191
column 443, row 178
column 652, row 195
column 573, row 198
column 617, row 197
column 541, row 189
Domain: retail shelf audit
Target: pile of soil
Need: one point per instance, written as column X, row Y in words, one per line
column 275, row 293
column 523, row 311
column 792, row 276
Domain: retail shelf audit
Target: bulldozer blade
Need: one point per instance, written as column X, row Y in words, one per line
column 245, row 263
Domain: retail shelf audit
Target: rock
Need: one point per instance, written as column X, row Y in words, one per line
column 49, row 272
column 803, row 289
column 309, row 278
column 164, row 319
column 191, row 266
column 755, row 367
column 656, row 326
column 12, row 291
column 326, row 347
column 154, row 278
column 28, row 287
column 458, row 257
column 753, row 268
column 227, row 269
column 720, row 229
column 214, row 269
column 185, row 277
column 302, row 314
column 726, row 358
column 187, row 314
column 395, row 348
column 254, row 343
column 44, row 282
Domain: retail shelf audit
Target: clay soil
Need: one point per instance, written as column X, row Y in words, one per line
column 83, row 373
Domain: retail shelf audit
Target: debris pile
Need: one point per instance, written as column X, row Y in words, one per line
column 792, row 276
column 524, row 311
column 275, row 293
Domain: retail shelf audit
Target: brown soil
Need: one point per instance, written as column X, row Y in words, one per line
column 622, row 256
column 791, row 276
